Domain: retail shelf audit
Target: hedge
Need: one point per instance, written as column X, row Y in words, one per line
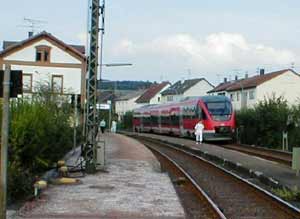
column 264, row 124
column 40, row 134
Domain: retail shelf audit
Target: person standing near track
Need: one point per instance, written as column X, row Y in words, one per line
column 199, row 132
column 113, row 126
column 102, row 125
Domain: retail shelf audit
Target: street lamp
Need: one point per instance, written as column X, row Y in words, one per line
column 117, row 64
column 112, row 65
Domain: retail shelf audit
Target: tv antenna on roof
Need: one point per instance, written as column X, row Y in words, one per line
column 32, row 24
column 189, row 73
column 293, row 65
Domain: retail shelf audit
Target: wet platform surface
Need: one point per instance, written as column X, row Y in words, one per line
column 132, row 187
column 281, row 173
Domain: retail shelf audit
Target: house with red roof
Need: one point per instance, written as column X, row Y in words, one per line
column 43, row 58
column 247, row 92
column 153, row 94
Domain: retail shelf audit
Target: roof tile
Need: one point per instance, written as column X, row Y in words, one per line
column 11, row 45
column 180, row 88
column 248, row 82
column 151, row 92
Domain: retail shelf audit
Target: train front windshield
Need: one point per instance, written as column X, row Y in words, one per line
column 220, row 111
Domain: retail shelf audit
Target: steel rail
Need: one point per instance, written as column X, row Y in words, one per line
column 212, row 204
column 278, row 156
column 283, row 205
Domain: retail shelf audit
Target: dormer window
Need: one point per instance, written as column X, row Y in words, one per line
column 42, row 54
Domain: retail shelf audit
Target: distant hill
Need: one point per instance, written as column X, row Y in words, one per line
column 123, row 85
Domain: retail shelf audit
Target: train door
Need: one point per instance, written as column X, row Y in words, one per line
column 142, row 123
column 199, row 115
column 181, row 129
column 159, row 122
column 174, row 123
column 199, row 112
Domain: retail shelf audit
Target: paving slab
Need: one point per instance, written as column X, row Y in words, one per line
column 279, row 172
column 131, row 187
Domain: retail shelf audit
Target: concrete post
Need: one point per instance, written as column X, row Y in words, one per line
column 4, row 141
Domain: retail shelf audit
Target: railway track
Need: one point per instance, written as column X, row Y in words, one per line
column 278, row 156
column 268, row 154
column 227, row 192
column 196, row 202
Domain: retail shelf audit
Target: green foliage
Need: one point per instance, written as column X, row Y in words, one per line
column 126, row 122
column 124, row 85
column 20, row 181
column 263, row 125
column 287, row 194
column 40, row 134
column 294, row 128
column 36, row 134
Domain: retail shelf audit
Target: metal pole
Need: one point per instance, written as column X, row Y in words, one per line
column 4, row 141
column 91, row 120
column 75, row 124
column 92, row 84
column 109, row 116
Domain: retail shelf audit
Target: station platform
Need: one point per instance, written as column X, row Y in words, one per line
column 274, row 171
column 131, row 187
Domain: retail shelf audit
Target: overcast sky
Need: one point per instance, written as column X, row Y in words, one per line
column 173, row 39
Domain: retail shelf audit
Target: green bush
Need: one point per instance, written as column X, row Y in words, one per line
column 126, row 122
column 264, row 124
column 40, row 134
column 36, row 134
column 294, row 129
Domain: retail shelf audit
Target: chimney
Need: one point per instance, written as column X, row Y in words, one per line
column 225, row 80
column 246, row 75
column 261, row 71
column 30, row 34
column 236, row 78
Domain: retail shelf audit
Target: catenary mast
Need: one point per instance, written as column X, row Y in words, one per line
column 96, row 9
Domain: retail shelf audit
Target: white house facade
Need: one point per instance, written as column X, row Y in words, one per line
column 248, row 92
column 127, row 103
column 187, row 88
column 45, row 59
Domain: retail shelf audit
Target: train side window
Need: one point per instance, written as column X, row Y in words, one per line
column 165, row 120
column 154, row 120
column 175, row 120
column 147, row 121
column 185, row 116
column 204, row 115
column 199, row 113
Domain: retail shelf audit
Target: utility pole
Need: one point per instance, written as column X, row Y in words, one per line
column 91, row 119
column 4, row 141
column 75, row 124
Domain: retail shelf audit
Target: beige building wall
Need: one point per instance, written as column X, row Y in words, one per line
column 199, row 89
column 123, row 106
column 286, row 85
column 62, row 64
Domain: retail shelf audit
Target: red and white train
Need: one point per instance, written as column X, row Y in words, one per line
column 180, row 118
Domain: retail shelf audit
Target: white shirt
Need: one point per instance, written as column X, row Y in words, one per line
column 199, row 128
column 102, row 123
